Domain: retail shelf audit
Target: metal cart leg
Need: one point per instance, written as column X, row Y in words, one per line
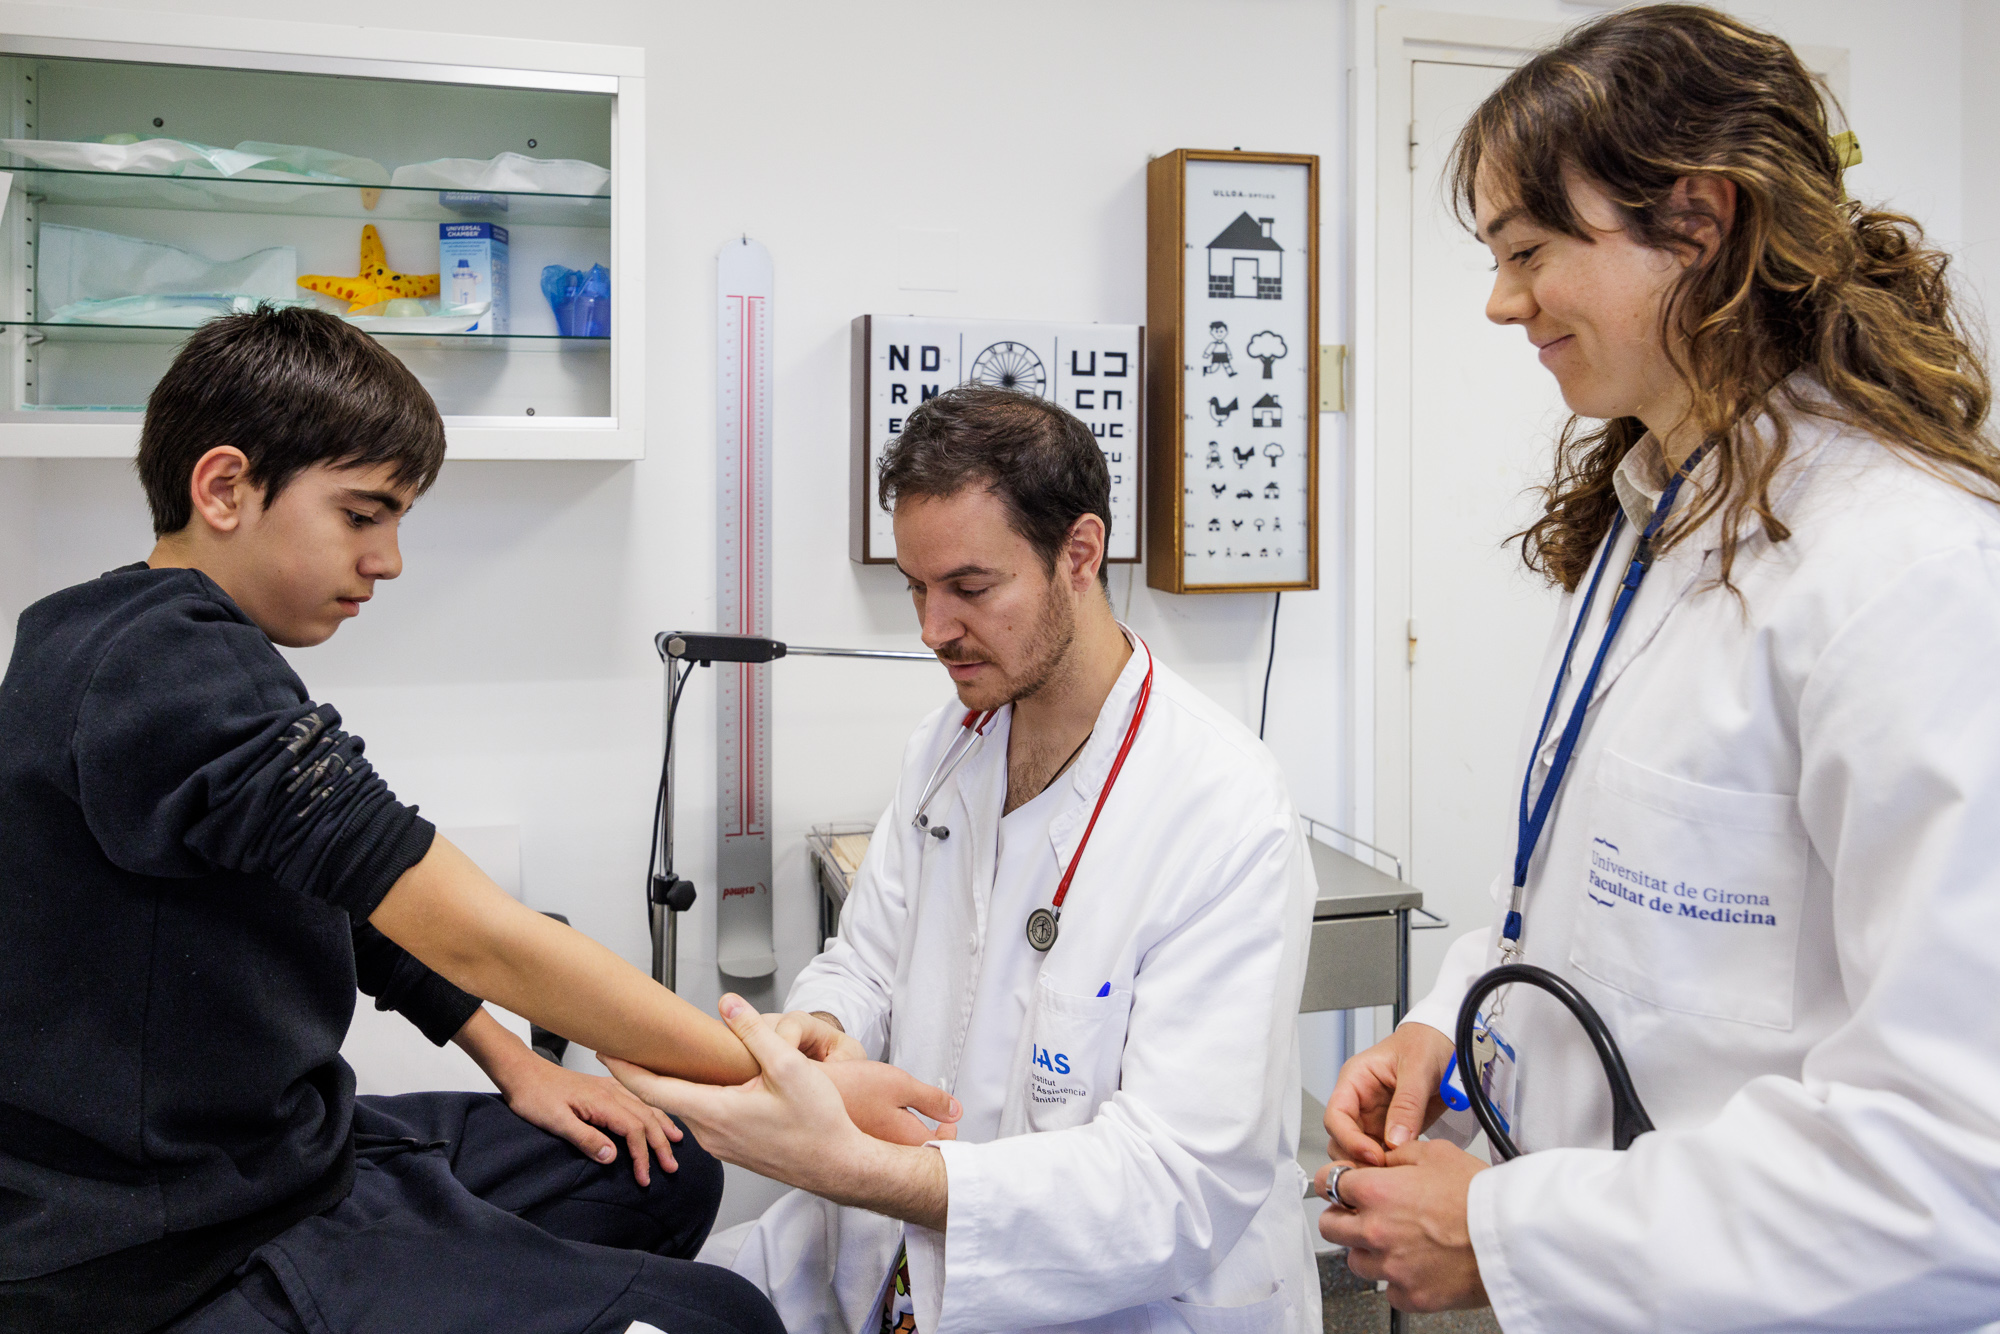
column 1402, row 1005
column 1397, row 1012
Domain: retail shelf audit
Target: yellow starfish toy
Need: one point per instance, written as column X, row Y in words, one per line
column 376, row 282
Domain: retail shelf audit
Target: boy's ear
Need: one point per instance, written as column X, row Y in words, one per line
column 220, row 488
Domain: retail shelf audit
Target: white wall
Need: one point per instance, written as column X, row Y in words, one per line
column 1980, row 152
column 508, row 677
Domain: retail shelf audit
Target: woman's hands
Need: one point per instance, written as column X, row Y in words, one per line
column 1388, row 1095
column 1402, row 1211
column 1406, row 1223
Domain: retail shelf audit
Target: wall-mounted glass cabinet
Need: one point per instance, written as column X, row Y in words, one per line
column 480, row 214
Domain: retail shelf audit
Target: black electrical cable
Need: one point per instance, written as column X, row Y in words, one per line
column 1628, row 1114
column 1269, row 660
column 657, row 851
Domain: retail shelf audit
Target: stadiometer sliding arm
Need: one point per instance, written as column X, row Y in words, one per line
column 667, row 895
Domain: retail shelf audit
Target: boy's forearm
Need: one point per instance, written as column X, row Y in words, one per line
column 491, row 1046
column 465, row 928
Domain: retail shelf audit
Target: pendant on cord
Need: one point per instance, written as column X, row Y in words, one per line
column 1042, row 929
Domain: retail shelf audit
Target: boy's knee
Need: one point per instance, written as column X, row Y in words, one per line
column 683, row 1295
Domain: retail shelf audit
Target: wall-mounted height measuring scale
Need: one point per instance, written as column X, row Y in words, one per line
column 743, row 943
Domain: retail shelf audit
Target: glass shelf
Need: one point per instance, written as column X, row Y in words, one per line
column 167, row 335
column 218, row 194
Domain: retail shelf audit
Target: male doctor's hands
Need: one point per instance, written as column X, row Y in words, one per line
column 801, row 1119
column 1388, row 1095
column 817, row 1039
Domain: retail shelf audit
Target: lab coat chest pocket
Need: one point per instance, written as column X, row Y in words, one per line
column 1075, row 1046
column 1692, row 895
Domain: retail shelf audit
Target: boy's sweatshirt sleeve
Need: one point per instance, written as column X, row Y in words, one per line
column 399, row 981
column 197, row 751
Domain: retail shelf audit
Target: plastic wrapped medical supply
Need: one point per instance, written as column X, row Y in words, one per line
column 251, row 159
column 581, row 302
column 472, row 269
column 472, row 201
column 510, row 172
column 88, row 276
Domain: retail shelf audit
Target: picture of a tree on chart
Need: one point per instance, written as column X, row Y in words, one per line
column 1266, row 347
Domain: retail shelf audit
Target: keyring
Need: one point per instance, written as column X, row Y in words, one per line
column 1333, row 1186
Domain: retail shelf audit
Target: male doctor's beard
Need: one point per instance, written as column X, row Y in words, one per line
column 1044, row 657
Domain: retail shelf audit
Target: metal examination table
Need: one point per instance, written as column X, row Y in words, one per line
column 1360, row 953
column 1359, row 957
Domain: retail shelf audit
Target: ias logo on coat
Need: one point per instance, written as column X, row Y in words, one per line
column 1057, row 1063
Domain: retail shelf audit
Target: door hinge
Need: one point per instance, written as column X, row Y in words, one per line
column 1411, row 630
column 1413, row 145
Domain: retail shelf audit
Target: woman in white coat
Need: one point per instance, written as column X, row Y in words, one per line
column 1770, row 849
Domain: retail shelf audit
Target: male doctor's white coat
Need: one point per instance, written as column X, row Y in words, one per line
column 1774, row 868
column 1154, row 1185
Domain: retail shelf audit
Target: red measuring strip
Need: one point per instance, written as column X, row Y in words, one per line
column 1131, row 733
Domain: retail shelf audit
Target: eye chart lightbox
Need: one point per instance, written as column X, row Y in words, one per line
column 1232, row 284
column 1096, row 371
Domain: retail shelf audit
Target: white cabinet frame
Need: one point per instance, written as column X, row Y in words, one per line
column 315, row 48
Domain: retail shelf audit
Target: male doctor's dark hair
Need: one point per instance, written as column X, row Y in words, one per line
column 1041, row 461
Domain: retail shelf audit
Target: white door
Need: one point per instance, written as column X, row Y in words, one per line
column 1246, row 277
column 1484, row 416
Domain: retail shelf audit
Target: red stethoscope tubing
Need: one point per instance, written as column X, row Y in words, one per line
column 1124, row 749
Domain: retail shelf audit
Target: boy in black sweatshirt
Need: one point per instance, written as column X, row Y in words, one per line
column 197, row 867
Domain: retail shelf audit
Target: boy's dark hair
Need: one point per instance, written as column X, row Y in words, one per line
column 290, row 388
column 1041, row 461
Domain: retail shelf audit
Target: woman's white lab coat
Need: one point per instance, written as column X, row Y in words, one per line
column 1145, row 1175
column 1775, row 869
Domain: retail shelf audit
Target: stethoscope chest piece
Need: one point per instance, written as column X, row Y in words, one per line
column 1042, row 929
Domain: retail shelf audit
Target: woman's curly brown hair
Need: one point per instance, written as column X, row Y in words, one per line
column 1804, row 279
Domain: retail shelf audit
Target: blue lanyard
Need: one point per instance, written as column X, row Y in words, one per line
column 1635, row 574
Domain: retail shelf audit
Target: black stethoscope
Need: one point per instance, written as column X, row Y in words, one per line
column 1628, row 1115
column 1043, row 923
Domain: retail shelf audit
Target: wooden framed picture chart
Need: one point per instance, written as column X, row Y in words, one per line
column 1096, row 371
column 1232, row 398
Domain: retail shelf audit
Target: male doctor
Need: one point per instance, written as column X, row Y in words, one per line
column 1085, row 914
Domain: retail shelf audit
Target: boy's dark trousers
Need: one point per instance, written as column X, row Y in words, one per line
column 466, row 1218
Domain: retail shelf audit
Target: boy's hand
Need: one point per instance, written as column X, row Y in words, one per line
column 565, row 1103
column 571, row 1105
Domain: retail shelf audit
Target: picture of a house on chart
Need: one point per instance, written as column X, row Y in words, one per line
column 1244, row 261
